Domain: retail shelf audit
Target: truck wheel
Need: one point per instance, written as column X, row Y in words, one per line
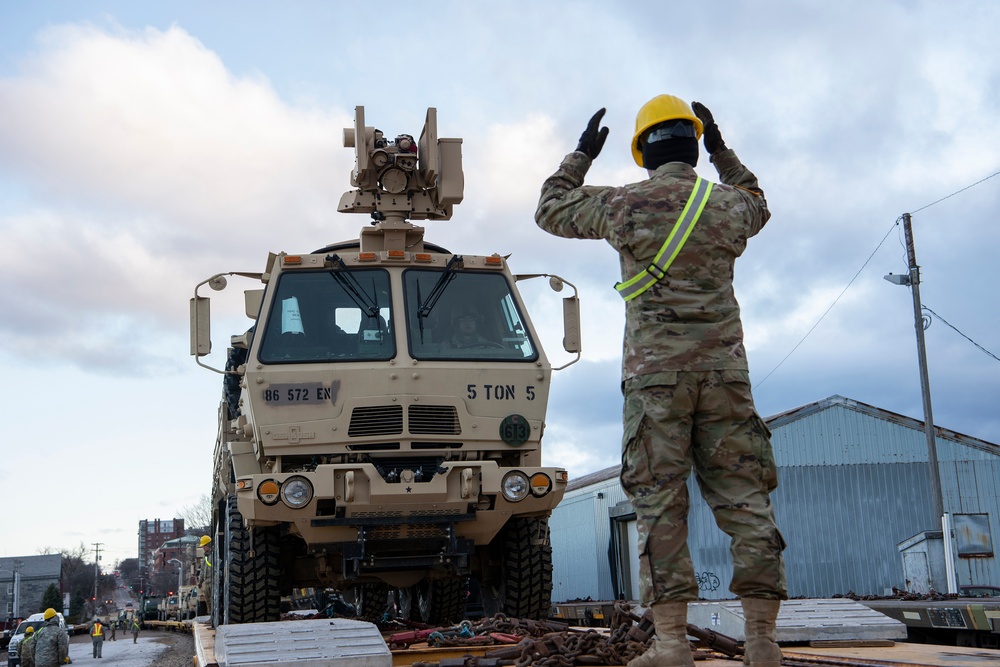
column 250, row 586
column 442, row 601
column 524, row 587
column 371, row 599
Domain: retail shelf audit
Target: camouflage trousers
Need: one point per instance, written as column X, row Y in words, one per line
column 705, row 420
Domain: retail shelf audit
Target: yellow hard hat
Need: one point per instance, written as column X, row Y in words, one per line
column 205, row 539
column 49, row 613
column 29, row 630
column 659, row 109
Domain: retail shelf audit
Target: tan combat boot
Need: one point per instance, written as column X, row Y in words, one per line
column 761, row 643
column 671, row 647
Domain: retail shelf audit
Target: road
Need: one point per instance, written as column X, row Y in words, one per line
column 123, row 596
column 152, row 649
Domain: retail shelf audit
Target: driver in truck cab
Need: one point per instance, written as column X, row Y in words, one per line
column 466, row 324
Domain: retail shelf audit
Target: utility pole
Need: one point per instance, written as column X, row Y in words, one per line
column 913, row 282
column 925, row 383
column 97, row 570
column 17, row 588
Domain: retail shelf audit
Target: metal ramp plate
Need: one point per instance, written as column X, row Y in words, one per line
column 838, row 619
column 320, row 643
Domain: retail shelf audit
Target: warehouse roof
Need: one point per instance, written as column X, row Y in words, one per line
column 46, row 566
column 789, row 416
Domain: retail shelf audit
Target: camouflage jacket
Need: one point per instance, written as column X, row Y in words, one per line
column 689, row 320
column 51, row 645
column 25, row 648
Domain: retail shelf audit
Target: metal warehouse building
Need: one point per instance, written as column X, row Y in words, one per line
column 853, row 502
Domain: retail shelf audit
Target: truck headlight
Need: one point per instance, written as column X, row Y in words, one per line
column 540, row 484
column 296, row 492
column 267, row 492
column 515, row 486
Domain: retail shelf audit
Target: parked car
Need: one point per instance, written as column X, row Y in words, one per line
column 35, row 621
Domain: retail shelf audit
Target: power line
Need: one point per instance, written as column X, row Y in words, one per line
column 959, row 332
column 996, row 173
column 851, row 282
column 842, row 292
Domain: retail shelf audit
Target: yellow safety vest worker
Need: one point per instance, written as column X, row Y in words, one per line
column 97, row 630
column 648, row 277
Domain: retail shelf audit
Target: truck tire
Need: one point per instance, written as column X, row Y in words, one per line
column 371, row 599
column 524, row 587
column 442, row 601
column 250, row 587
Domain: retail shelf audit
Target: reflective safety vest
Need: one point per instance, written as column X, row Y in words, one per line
column 98, row 630
column 638, row 284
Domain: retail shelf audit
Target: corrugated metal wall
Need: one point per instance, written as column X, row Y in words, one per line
column 974, row 487
column 580, row 530
column 853, row 483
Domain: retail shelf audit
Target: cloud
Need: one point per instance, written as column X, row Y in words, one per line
column 158, row 163
column 152, row 119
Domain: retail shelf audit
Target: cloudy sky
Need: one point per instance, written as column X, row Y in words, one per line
column 147, row 146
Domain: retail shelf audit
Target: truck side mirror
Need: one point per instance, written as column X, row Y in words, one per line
column 571, row 324
column 201, row 336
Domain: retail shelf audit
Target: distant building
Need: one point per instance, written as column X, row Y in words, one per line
column 35, row 574
column 853, row 502
column 152, row 534
column 182, row 549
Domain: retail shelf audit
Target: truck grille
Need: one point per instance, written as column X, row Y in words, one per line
column 376, row 420
column 434, row 419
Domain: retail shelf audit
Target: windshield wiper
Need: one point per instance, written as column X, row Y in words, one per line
column 349, row 282
column 424, row 309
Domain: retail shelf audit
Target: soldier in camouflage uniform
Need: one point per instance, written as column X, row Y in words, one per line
column 26, row 648
column 684, row 368
column 50, row 647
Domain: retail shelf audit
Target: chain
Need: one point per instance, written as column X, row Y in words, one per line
column 554, row 644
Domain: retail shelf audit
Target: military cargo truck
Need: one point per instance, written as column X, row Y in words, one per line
column 381, row 423
column 169, row 610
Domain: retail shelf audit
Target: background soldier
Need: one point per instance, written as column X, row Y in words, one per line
column 205, row 577
column 25, row 648
column 50, row 647
column 684, row 371
column 97, row 637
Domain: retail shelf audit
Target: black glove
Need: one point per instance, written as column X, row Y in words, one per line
column 592, row 139
column 712, row 136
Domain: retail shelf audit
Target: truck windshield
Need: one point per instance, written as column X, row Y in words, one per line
column 476, row 317
column 329, row 316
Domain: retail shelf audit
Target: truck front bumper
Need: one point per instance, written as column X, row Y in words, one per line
column 331, row 503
